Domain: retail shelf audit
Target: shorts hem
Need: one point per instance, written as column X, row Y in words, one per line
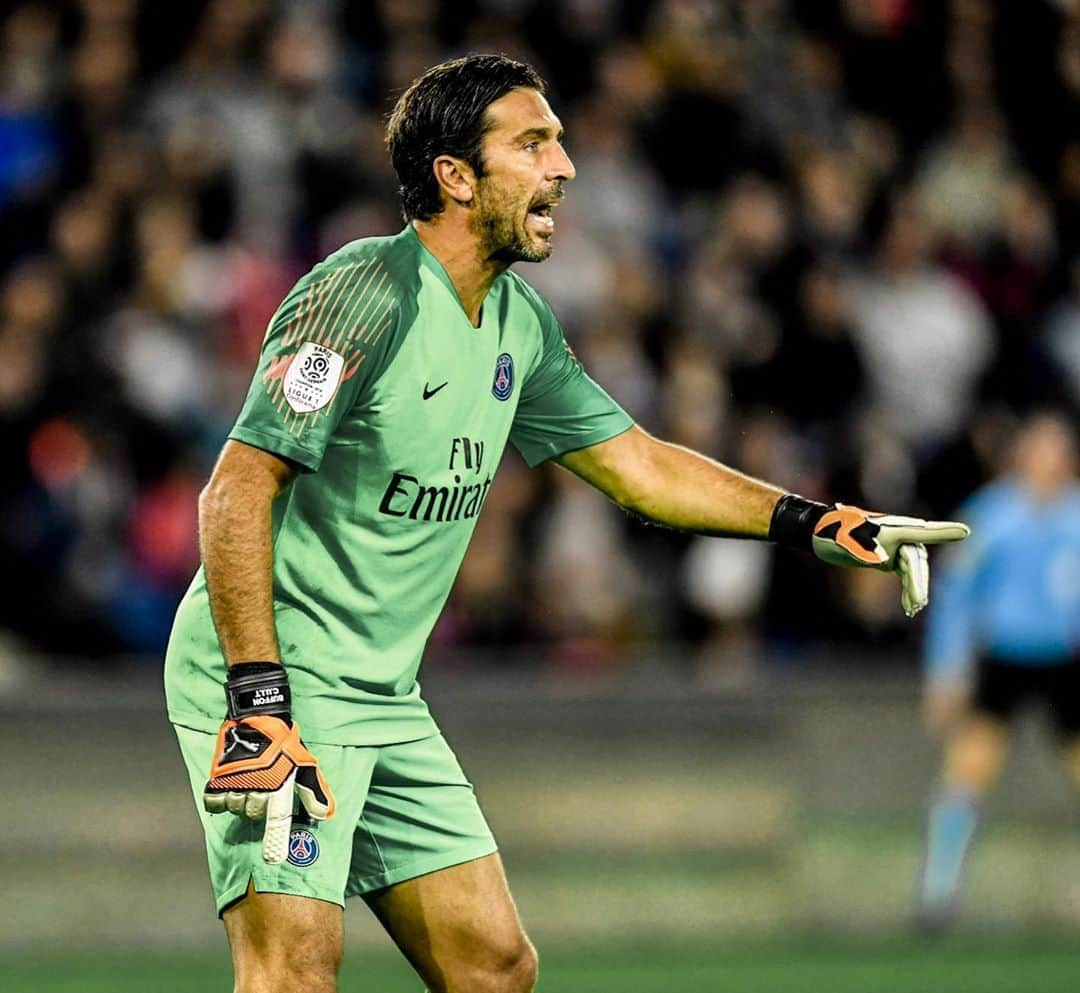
column 265, row 885
column 421, row 867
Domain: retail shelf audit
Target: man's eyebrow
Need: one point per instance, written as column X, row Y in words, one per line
column 541, row 132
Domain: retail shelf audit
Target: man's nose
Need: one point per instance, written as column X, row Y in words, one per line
column 561, row 167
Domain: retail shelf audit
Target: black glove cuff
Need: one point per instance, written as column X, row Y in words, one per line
column 258, row 688
column 793, row 521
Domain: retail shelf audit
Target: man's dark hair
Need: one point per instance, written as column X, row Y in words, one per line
column 444, row 112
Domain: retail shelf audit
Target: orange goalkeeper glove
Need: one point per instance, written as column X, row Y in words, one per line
column 260, row 761
column 843, row 535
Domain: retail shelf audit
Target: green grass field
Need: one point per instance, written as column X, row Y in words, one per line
column 953, row 966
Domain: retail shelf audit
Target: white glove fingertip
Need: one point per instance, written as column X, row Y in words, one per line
column 255, row 806
column 912, row 564
column 924, row 570
column 279, row 807
column 903, row 570
column 316, row 811
column 944, row 531
column 234, row 803
column 214, row 803
column 911, row 532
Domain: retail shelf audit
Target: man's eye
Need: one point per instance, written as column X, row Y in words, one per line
column 532, row 146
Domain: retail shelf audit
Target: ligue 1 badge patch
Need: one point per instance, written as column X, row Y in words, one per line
column 303, row 847
column 503, row 384
column 313, row 377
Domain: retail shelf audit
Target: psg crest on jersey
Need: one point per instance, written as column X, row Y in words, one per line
column 503, row 383
column 303, row 847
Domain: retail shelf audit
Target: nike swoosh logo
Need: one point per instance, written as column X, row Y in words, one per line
column 428, row 394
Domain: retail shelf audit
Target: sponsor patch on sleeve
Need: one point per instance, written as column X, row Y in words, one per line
column 313, row 377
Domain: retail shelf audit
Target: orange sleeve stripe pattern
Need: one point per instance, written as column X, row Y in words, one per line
column 346, row 311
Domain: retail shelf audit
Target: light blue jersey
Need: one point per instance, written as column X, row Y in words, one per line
column 1012, row 590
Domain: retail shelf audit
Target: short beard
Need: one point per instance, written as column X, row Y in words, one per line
column 501, row 241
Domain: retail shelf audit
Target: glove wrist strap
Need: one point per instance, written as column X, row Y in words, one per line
column 258, row 688
column 793, row 521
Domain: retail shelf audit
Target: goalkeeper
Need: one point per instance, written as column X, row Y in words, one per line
column 390, row 381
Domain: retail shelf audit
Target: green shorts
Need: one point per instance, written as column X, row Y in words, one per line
column 402, row 811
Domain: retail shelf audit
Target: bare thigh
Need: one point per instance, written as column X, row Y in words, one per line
column 285, row 944
column 459, row 928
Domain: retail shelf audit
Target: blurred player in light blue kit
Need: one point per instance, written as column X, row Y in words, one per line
column 1004, row 631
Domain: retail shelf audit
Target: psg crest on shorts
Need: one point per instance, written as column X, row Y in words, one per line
column 303, row 847
column 503, row 383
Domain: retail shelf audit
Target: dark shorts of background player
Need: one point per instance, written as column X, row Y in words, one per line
column 1003, row 687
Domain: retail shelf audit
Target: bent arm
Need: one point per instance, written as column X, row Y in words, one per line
column 675, row 486
column 236, row 544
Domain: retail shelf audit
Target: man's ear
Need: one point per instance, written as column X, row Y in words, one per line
column 455, row 177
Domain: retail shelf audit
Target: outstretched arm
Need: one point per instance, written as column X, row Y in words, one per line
column 682, row 489
column 675, row 486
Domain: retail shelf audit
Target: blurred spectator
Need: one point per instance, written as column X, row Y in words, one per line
column 1062, row 334
column 833, row 192
column 962, row 181
column 924, row 337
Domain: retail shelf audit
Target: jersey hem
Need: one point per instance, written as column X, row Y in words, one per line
column 411, row 729
column 277, row 446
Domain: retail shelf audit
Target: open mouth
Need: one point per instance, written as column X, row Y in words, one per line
column 541, row 212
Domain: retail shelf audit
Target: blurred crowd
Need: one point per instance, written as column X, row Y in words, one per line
column 833, row 243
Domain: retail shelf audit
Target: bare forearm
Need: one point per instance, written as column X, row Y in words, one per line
column 682, row 489
column 236, row 543
column 690, row 492
column 675, row 486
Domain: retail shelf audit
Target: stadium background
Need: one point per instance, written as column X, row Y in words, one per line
column 833, row 243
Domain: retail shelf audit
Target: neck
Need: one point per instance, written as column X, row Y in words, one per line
column 456, row 247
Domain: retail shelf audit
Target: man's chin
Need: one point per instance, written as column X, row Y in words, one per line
column 525, row 250
column 538, row 253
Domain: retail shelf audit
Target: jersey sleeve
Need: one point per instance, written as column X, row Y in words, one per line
column 561, row 408
column 323, row 348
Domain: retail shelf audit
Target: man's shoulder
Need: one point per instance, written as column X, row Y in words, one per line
column 361, row 299
column 394, row 257
column 372, row 283
column 516, row 285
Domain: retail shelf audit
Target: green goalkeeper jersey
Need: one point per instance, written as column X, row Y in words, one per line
column 374, row 382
